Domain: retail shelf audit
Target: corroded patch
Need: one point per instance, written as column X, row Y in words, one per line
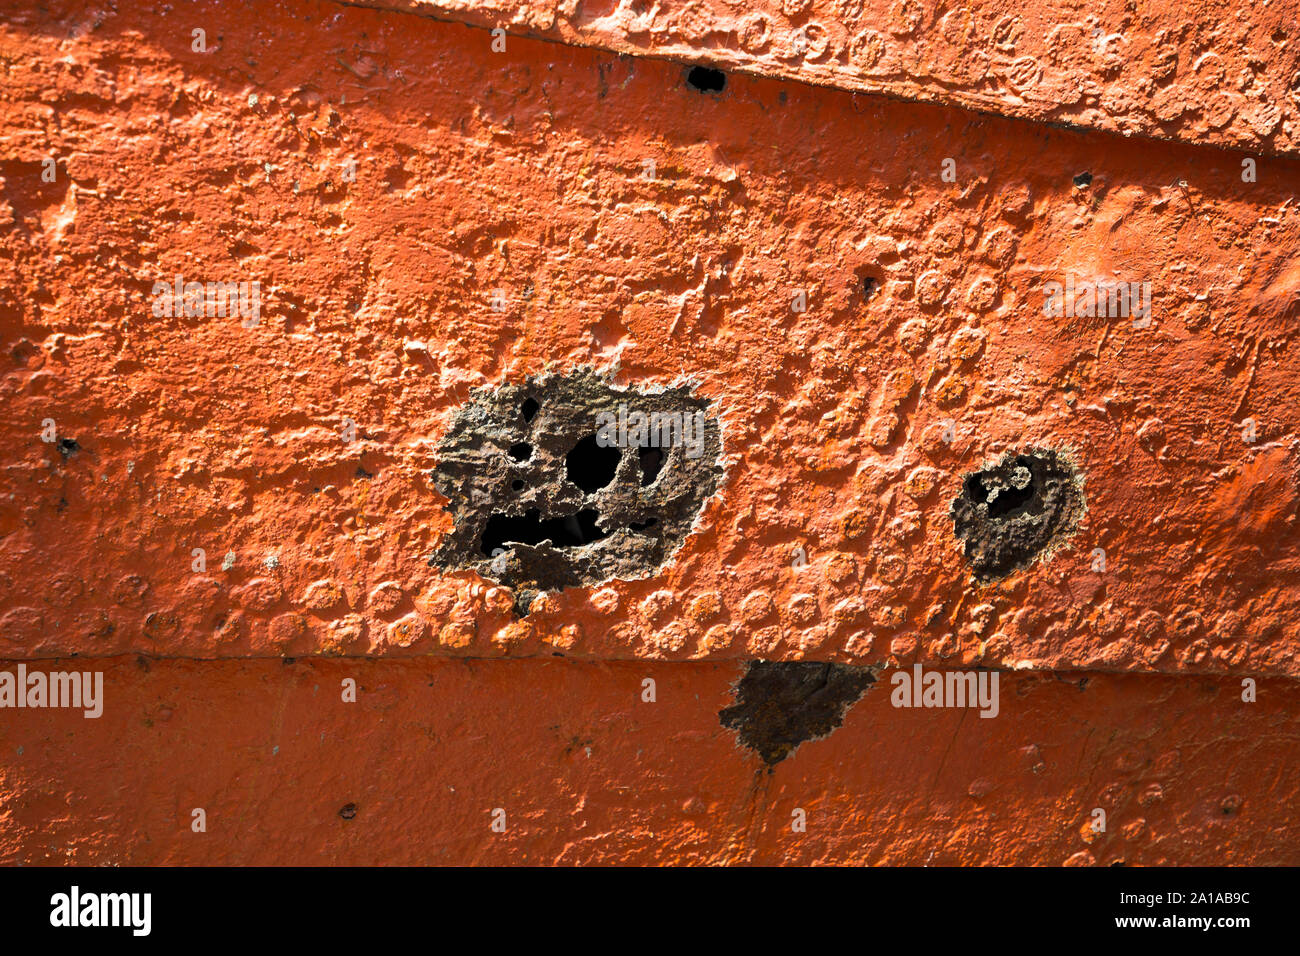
column 1017, row 509
column 780, row 705
column 548, row 491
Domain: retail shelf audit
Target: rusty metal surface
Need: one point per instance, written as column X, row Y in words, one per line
column 907, row 458
column 1207, row 72
column 623, row 220
column 580, row 769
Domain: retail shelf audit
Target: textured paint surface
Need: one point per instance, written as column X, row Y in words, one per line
column 523, row 175
column 1207, row 71
column 206, row 507
column 588, row 773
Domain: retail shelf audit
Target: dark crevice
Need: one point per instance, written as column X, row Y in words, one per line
column 652, row 461
column 569, row 531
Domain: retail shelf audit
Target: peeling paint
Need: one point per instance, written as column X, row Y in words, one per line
column 780, row 705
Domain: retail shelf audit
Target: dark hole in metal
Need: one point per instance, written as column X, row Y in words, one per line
column 521, row 451
column 868, row 283
column 706, row 80
column 1013, row 510
column 569, row 531
column 652, row 461
column 591, row 467
column 1008, row 499
column 576, row 513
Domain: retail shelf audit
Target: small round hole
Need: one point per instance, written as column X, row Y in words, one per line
column 590, row 465
column 705, row 80
column 521, row 451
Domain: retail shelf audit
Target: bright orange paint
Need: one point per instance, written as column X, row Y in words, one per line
column 384, row 177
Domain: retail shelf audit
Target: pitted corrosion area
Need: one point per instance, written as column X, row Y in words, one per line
column 569, row 480
column 1026, row 505
column 781, row 704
